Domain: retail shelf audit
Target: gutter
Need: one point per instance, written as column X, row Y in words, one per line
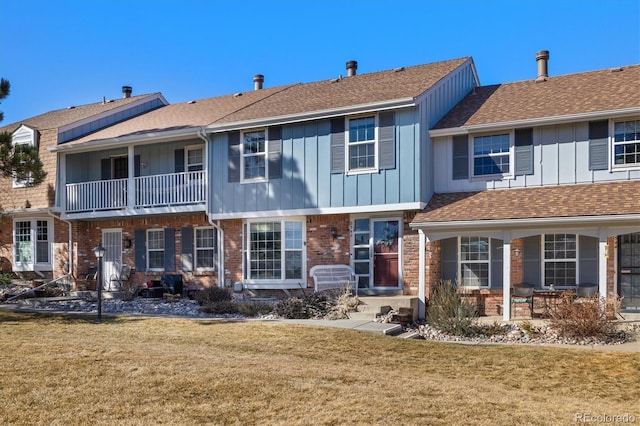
column 563, row 119
column 528, row 222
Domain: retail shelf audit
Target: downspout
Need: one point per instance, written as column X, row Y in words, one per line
column 70, row 271
column 202, row 134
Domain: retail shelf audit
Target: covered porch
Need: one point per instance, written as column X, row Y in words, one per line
column 557, row 237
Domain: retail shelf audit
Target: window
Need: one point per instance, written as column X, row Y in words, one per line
column 195, row 158
column 560, row 254
column 491, row 155
column 155, row 249
column 23, row 139
column 362, row 144
column 254, row 155
column 206, row 241
column 626, row 143
column 275, row 250
column 32, row 244
column 474, row 261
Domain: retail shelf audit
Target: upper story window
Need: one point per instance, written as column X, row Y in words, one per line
column 23, row 137
column 491, row 155
column 362, row 144
column 195, row 158
column 626, row 143
column 254, row 155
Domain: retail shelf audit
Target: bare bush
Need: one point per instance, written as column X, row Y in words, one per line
column 586, row 317
column 449, row 313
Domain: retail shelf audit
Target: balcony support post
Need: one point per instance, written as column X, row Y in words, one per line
column 131, row 183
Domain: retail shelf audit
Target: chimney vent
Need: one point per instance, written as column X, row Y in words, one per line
column 352, row 66
column 258, row 79
column 542, row 58
column 126, row 91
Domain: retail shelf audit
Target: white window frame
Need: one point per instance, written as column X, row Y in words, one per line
column 348, row 145
column 34, row 264
column 197, row 249
column 509, row 154
column 612, row 138
column 567, row 260
column 186, row 158
column 283, row 250
column 488, row 261
column 149, row 249
column 24, row 135
column 264, row 154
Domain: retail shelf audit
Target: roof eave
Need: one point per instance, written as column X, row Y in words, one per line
column 542, row 121
column 312, row 115
column 524, row 222
column 119, row 141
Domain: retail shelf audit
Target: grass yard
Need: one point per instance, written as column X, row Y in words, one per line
column 69, row 370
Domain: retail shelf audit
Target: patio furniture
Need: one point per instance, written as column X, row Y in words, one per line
column 522, row 295
column 123, row 274
column 328, row 277
column 587, row 290
column 550, row 298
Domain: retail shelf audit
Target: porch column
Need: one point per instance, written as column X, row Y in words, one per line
column 602, row 263
column 131, row 183
column 62, row 183
column 506, row 277
column 421, row 278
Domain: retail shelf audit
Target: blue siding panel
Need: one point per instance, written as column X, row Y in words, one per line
column 351, row 190
column 322, row 171
column 310, row 164
column 379, row 187
column 407, row 157
column 299, row 192
column 337, row 190
column 364, row 189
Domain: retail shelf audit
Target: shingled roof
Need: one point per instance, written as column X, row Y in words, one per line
column 288, row 100
column 566, row 95
column 62, row 117
column 611, row 198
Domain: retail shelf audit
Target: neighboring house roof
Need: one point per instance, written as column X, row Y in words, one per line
column 251, row 108
column 72, row 114
column 561, row 96
column 584, row 200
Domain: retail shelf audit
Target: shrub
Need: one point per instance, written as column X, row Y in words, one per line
column 254, row 309
column 588, row 318
column 342, row 303
column 448, row 313
column 221, row 307
column 5, row 278
column 315, row 305
column 212, row 295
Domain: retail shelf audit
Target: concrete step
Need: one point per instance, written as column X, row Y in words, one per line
column 393, row 330
column 370, row 316
column 409, row 335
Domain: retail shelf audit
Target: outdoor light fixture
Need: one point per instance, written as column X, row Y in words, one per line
column 127, row 242
column 334, row 232
column 517, row 252
column 99, row 251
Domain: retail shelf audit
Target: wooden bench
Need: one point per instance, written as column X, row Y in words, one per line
column 328, row 277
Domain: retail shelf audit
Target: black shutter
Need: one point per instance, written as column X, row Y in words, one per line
column 169, row 249
column 387, row 142
column 187, row 249
column 460, row 165
column 449, row 259
column 599, row 145
column 275, row 152
column 337, row 145
column 523, row 152
column 178, row 157
column 105, row 169
column 136, row 165
column 234, row 157
column 140, row 242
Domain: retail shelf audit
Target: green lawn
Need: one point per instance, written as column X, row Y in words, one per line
column 66, row 370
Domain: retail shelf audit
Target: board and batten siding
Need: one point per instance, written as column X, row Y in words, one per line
column 307, row 181
column 560, row 157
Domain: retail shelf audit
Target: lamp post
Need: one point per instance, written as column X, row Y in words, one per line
column 99, row 251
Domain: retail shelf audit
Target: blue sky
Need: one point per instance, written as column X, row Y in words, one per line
column 72, row 52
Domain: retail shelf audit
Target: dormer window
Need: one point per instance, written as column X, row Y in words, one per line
column 23, row 137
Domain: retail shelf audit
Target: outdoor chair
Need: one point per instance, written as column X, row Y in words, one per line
column 587, row 290
column 522, row 294
column 123, row 274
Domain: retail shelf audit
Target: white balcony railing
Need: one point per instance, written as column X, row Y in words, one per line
column 171, row 189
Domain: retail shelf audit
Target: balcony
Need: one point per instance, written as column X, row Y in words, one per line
column 148, row 192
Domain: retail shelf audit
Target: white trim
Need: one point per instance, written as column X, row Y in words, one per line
column 24, row 135
column 264, row 154
column 148, row 250
column 533, row 122
column 370, row 209
column 33, row 234
column 215, row 247
column 348, row 145
column 544, row 260
column 422, row 244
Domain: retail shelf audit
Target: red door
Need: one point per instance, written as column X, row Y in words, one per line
column 385, row 253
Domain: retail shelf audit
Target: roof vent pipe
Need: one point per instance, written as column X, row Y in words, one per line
column 352, row 66
column 126, row 91
column 258, row 79
column 542, row 58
